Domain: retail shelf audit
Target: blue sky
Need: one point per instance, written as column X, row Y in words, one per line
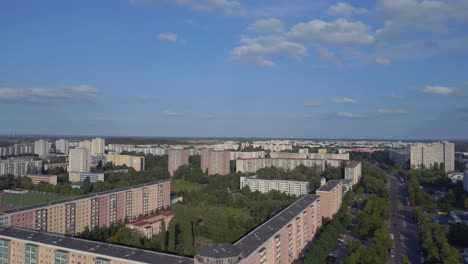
column 225, row 68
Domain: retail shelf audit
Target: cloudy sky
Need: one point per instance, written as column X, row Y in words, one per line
column 235, row 68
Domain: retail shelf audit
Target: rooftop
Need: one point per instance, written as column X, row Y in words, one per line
column 255, row 177
column 41, row 175
column 26, row 208
column 93, row 247
column 353, row 164
column 330, row 185
column 252, row 241
column 219, row 250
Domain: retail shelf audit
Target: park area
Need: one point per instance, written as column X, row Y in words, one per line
column 179, row 185
column 10, row 201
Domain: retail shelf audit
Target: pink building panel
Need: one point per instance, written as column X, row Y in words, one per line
column 104, row 202
column 166, row 194
column 284, row 247
column 252, row 259
column 121, row 206
column 24, row 220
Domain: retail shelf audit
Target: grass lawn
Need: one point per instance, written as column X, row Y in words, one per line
column 20, row 200
column 178, row 185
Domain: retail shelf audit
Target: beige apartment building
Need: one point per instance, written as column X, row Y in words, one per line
column 296, row 188
column 79, row 160
column 287, row 155
column 353, row 171
column 21, row 246
column 215, row 161
column 135, row 162
column 177, row 158
column 252, row 165
column 247, row 155
column 331, row 196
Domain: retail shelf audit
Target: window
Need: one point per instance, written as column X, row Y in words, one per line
column 30, row 254
column 4, row 251
column 61, row 257
column 101, row 261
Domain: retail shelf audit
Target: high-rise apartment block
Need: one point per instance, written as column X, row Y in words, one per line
column 177, row 158
column 281, row 239
column 426, row 156
column 97, row 147
column 295, row 188
column 20, row 167
column 252, row 165
column 135, row 162
column 215, row 161
column 72, row 216
column 331, row 196
column 79, row 160
column 41, row 148
column 353, row 171
column 86, row 144
column 247, row 155
column 19, row 245
column 62, row 146
column 16, row 150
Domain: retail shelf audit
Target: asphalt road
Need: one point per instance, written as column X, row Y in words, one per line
column 402, row 225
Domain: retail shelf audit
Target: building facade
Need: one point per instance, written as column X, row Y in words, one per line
column 97, row 146
column 62, row 146
column 331, row 196
column 296, row 188
column 252, row 165
column 353, row 171
column 79, row 160
column 422, row 155
column 38, row 178
column 41, row 148
column 151, row 225
column 177, row 158
column 135, row 162
column 247, row 155
column 20, row 167
column 72, row 216
column 215, row 161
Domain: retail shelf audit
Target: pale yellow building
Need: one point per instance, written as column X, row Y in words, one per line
column 135, row 162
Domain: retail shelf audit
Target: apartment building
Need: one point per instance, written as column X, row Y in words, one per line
column 146, row 149
column 215, row 161
column 79, row 160
column 135, row 162
column 20, row 167
column 20, row 246
column 86, row 144
column 353, row 171
column 177, row 158
column 331, row 196
column 71, row 216
column 41, row 148
column 252, row 165
column 281, row 239
column 16, row 150
column 38, row 178
column 296, row 188
column 422, row 155
column 62, row 146
column 273, row 145
column 287, row 155
column 247, row 155
column 97, row 146
column 77, row 177
column 151, row 225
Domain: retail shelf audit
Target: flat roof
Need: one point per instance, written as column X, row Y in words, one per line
column 26, row 208
column 353, row 164
column 94, row 247
column 255, row 177
column 219, row 250
column 330, row 185
column 255, row 239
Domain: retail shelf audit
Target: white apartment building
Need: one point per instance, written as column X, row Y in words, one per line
column 20, row 167
column 287, row 155
column 252, row 165
column 426, row 155
column 62, row 146
column 79, row 160
column 296, row 188
column 247, row 155
column 273, row 145
column 146, row 149
column 353, row 171
column 97, row 146
column 41, row 148
column 86, row 144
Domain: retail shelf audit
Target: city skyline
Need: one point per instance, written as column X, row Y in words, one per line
column 279, row 69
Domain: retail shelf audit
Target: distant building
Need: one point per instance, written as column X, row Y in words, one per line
column 135, row 162
column 322, row 151
column 41, row 148
column 426, row 155
column 353, row 171
column 246, row 155
column 86, row 144
column 97, row 146
column 20, row 167
column 16, row 150
column 273, row 145
column 331, row 196
column 215, row 161
column 77, row 177
column 295, row 188
column 459, row 217
column 252, row 165
column 79, row 160
column 287, row 155
column 51, row 166
column 150, row 226
column 62, row 146
column 177, row 158
column 38, row 178
column 304, row 151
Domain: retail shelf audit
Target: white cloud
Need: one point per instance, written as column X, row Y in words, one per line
column 257, row 50
column 171, row 37
column 67, row 94
column 383, row 61
column 267, row 25
column 338, row 32
column 171, row 113
column 228, row 7
column 346, row 9
column 345, row 100
column 324, row 53
column 351, row 115
column 313, row 104
column 440, row 90
column 392, row 111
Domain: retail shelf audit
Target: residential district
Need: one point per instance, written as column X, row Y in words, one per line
column 247, row 202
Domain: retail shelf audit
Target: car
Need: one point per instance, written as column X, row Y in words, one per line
column 392, row 252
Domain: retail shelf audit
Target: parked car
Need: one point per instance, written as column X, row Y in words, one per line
column 392, row 253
